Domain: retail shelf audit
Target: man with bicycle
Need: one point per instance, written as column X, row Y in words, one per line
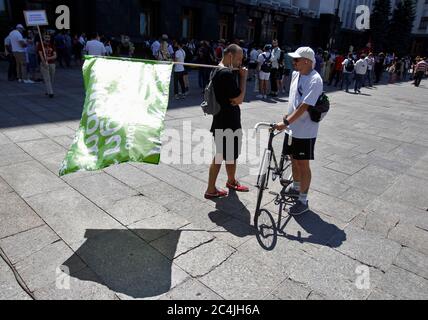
column 306, row 88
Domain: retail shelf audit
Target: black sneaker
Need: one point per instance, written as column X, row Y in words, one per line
column 298, row 209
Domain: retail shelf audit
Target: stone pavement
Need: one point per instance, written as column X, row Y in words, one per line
column 136, row 231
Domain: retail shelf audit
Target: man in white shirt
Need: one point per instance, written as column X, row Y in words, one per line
column 275, row 76
column 18, row 45
column 306, row 88
column 155, row 48
column 11, row 73
column 361, row 67
column 94, row 47
column 370, row 69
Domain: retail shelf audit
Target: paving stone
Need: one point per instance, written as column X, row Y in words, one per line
column 333, row 207
column 204, row 259
column 378, row 295
column 131, row 176
column 4, row 187
column 372, row 179
column 158, row 226
column 410, row 191
column 404, row 285
column 367, row 247
column 239, row 279
column 56, row 131
column 358, row 197
column 9, row 287
column 179, row 242
column 202, row 214
column 102, row 189
column 348, row 167
column 23, row 134
column 30, row 178
column 333, row 276
column 134, row 209
column 410, row 236
column 127, row 265
column 192, row 290
column 37, row 148
column 16, row 216
column 90, row 289
column 4, row 140
column 163, row 193
column 40, row 269
column 181, row 181
column 23, row 245
column 52, row 161
column 64, row 141
column 413, row 261
column 290, row 290
column 11, row 159
column 385, row 214
column 70, row 215
column 233, row 232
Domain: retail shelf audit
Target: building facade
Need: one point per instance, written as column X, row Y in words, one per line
column 319, row 23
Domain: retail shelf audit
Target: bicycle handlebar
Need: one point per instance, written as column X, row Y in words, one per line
column 272, row 126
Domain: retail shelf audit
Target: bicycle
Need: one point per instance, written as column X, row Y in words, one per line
column 269, row 168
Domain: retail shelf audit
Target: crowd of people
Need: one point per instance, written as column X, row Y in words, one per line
column 270, row 66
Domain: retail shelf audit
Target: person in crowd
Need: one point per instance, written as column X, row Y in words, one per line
column 94, row 47
column 264, row 68
column 48, row 56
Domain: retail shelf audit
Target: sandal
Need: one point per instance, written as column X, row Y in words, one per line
column 237, row 187
column 217, row 195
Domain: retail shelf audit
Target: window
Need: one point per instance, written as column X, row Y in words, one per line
column 424, row 23
column 145, row 24
column 187, row 23
column 223, row 27
column 2, row 6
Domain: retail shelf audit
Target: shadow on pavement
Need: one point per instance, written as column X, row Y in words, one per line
column 319, row 231
column 126, row 264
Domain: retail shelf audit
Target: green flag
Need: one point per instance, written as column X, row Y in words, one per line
column 123, row 116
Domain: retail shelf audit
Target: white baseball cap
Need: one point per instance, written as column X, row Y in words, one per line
column 303, row 52
column 20, row 26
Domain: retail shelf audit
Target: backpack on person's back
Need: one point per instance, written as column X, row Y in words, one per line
column 210, row 106
column 267, row 64
column 350, row 66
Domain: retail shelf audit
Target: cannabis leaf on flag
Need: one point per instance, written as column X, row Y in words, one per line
column 123, row 116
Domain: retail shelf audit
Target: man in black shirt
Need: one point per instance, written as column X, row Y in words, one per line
column 226, row 128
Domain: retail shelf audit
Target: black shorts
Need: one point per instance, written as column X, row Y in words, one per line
column 300, row 149
column 287, row 72
column 229, row 147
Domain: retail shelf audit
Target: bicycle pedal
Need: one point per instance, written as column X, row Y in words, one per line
column 274, row 194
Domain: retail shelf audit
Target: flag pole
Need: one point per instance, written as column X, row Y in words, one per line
column 195, row 65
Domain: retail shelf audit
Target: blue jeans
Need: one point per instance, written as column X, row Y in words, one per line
column 359, row 79
column 347, row 77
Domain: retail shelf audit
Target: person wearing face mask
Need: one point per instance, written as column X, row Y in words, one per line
column 48, row 58
column 226, row 127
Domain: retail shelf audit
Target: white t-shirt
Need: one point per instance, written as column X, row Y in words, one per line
column 361, row 67
column 311, row 87
column 261, row 59
column 95, row 48
column 15, row 38
column 155, row 48
column 180, row 56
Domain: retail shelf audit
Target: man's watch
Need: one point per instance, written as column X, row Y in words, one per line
column 286, row 122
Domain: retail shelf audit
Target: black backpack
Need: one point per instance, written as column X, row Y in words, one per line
column 267, row 64
column 350, row 67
